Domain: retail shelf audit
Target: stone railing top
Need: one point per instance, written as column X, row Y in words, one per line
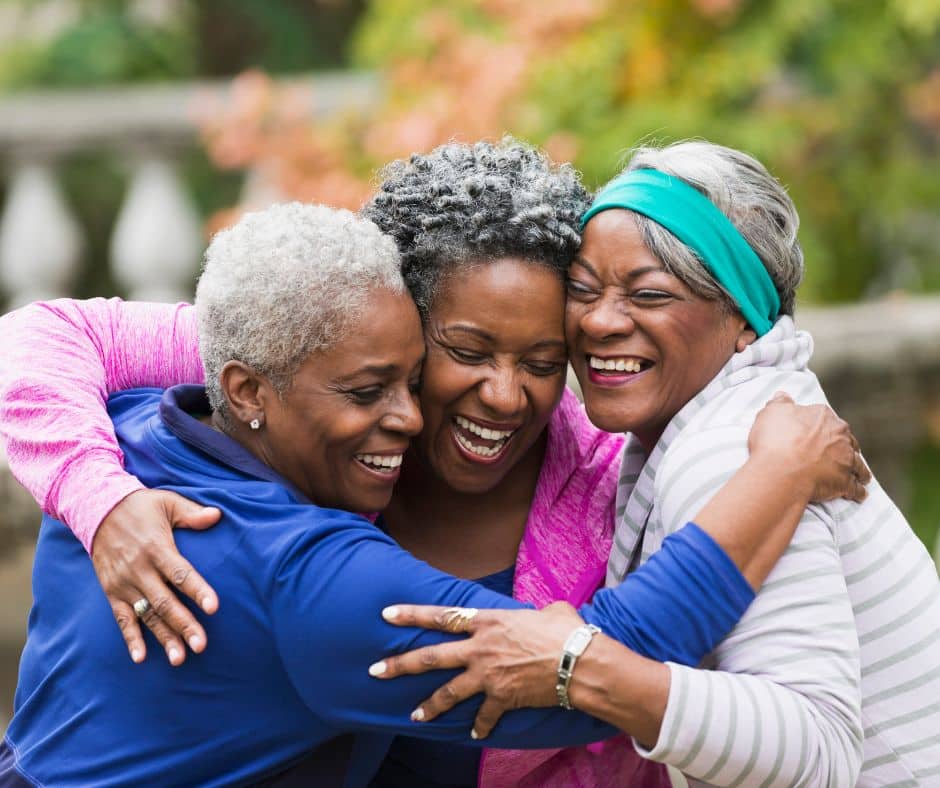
column 53, row 122
column 885, row 334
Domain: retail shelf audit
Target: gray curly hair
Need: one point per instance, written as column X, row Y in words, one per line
column 755, row 202
column 466, row 204
column 283, row 283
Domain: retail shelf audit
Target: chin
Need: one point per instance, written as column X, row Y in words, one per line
column 370, row 505
column 475, row 486
column 608, row 420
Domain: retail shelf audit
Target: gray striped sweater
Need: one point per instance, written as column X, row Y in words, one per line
column 832, row 678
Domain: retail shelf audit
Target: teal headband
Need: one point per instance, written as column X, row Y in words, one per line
column 694, row 220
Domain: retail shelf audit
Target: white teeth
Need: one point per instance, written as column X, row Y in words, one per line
column 625, row 364
column 384, row 461
column 483, row 432
column 481, row 451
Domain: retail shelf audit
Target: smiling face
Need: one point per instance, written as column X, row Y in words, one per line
column 495, row 370
column 339, row 432
column 642, row 343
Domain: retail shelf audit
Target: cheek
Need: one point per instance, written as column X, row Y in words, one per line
column 573, row 314
column 444, row 381
column 545, row 394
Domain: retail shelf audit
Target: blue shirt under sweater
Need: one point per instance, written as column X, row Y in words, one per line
column 301, row 591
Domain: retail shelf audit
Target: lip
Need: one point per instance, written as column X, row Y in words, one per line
column 504, row 426
column 388, row 477
column 385, row 478
column 475, row 458
column 608, row 380
column 385, row 452
column 614, row 381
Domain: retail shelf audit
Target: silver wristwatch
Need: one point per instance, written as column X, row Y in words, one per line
column 574, row 647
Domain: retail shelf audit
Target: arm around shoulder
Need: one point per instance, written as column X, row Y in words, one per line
column 327, row 599
column 59, row 360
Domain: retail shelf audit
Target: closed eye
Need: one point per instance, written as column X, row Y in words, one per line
column 545, row 368
column 650, row 295
column 576, row 288
column 366, row 395
column 466, row 356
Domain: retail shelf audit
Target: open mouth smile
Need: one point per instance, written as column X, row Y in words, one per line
column 615, row 370
column 479, row 442
column 387, row 466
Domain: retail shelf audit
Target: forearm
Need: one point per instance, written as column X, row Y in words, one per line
column 58, row 362
column 342, row 586
column 676, row 607
column 622, row 688
column 679, row 605
column 754, row 515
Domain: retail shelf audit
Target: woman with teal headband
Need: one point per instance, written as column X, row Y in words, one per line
column 680, row 326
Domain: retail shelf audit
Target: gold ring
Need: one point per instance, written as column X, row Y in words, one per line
column 457, row 619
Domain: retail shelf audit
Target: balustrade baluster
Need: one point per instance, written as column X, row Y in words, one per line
column 158, row 239
column 40, row 241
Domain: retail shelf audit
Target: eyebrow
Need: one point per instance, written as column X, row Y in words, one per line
column 632, row 275
column 379, row 370
column 485, row 335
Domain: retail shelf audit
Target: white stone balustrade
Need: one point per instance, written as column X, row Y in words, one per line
column 157, row 239
column 40, row 241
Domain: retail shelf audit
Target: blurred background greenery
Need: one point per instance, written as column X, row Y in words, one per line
column 840, row 98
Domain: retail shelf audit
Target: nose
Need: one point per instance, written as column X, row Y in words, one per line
column 502, row 392
column 607, row 317
column 404, row 415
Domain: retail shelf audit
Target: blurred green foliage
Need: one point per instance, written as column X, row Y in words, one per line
column 106, row 42
column 840, row 98
column 924, row 511
column 114, row 41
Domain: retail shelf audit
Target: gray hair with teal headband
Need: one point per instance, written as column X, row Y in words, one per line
column 718, row 221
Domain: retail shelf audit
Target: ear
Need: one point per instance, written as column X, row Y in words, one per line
column 245, row 390
column 746, row 336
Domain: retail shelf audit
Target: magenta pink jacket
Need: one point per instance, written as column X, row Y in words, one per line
column 60, row 360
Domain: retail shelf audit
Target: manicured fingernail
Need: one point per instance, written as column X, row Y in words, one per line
column 174, row 654
column 417, row 715
column 195, row 642
column 390, row 613
column 474, row 734
column 377, row 668
column 137, row 655
column 206, row 604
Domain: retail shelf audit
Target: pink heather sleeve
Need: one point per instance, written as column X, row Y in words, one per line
column 59, row 361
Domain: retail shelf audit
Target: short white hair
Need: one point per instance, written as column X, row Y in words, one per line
column 283, row 283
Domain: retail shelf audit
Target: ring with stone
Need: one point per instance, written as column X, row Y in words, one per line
column 141, row 606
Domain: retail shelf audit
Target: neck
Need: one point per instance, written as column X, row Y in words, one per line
column 469, row 535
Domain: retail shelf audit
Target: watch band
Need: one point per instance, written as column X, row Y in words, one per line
column 574, row 647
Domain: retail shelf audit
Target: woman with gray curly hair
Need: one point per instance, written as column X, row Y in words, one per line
column 508, row 483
